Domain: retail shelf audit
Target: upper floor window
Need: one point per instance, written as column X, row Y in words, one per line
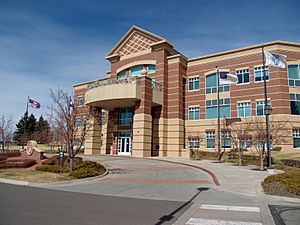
column 126, row 116
column 259, row 73
column 80, row 101
column 211, row 84
column 212, row 108
column 136, row 71
column 151, row 68
column 243, row 76
column 294, row 75
column 194, row 83
column 102, row 118
column 260, row 107
column 244, row 109
column 295, row 103
column 194, row 113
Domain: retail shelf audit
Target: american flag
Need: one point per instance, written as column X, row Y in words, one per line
column 34, row 104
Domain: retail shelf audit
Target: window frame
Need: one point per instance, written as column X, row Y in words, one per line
column 194, row 143
column 267, row 69
column 243, row 73
column 296, row 135
column 222, row 104
column 82, row 98
column 195, row 107
column 192, row 78
column 210, row 135
column 269, row 103
column 244, row 112
column 222, row 88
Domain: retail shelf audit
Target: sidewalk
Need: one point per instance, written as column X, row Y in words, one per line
column 239, row 179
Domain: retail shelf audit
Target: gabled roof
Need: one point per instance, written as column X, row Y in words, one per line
column 136, row 39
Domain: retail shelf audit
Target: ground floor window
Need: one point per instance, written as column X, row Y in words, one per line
column 194, row 143
column 210, row 139
column 296, row 138
column 226, row 139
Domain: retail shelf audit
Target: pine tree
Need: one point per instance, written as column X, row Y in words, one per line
column 25, row 129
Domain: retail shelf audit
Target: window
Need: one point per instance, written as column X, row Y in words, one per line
column 226, row 139
column 294, row 75
column 211, row 84
column 194, row 143
column 194, row 113
column 210, row 139
column 296, row 138
column 245, row 144
column 126, row 116
column 194, row 83
column 78, row 122
column 212, row 108
column 151, row 69
column 244, row 109
column 136, row 70
column 295, row 103
column 260, row 107
column 259, row 73
column 243, row 76
column 122, row 75
column 80, row 101
column 102, row 118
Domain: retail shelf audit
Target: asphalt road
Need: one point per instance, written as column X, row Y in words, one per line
column 36, row 206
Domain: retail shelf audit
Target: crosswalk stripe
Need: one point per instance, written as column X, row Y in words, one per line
column 230, row 208
column 200, row 221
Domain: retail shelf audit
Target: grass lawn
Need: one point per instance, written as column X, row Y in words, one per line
column 35, row 176
column 286, row 155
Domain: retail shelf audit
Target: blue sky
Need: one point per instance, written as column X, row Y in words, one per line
column 50, row 44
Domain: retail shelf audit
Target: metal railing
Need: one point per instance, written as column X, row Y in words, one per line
column 114, row 80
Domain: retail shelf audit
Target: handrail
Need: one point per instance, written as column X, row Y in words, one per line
column 113, row 80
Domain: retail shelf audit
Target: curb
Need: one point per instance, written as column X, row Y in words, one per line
column 15, row 182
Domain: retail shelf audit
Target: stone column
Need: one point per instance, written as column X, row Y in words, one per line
column 93, row 137
column 142, row 120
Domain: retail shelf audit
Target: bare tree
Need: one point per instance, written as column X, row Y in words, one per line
column 278, row 134
column 6, row 131
column 193, row 142
column 240, row 134
column 71, row 126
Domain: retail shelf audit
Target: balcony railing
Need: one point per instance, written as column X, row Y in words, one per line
column 114, row 80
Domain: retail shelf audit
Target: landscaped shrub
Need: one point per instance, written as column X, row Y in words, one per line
column 11, row 153
column 54, row 160
column 291, row 162
column 290, row 180
column 87, row 169
column 52, row 169
column 17, row 163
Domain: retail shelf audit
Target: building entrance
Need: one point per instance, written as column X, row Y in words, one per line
column 124, row 143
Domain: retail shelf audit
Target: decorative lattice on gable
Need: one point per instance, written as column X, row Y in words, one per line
column 135, row 43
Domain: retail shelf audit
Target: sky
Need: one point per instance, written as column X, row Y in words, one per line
column 49, row 44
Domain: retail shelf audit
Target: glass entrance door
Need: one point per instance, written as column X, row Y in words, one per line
column 124, row 143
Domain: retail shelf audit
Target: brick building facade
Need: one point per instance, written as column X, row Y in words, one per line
column 157, row 102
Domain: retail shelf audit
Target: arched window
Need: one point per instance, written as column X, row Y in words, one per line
column 211, row 84
column 135, row 71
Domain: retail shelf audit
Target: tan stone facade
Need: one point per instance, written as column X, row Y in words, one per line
column 146, row 99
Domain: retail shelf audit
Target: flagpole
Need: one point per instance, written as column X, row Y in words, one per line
column 269, row 162
column 218, row 110
column 27, row 105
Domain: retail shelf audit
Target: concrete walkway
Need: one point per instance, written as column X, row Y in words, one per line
column 239, row 179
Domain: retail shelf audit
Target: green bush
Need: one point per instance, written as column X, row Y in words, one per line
column 87, row 169
column 52, row 169
column 291, row 162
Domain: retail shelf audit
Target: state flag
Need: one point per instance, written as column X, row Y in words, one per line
column 275, row 59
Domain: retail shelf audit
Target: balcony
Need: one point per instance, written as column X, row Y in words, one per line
column 109, row 93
